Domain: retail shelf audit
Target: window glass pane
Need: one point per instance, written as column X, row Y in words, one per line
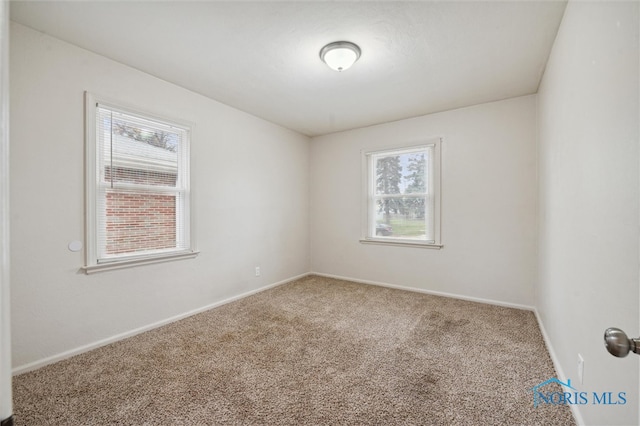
column 401, row 173
column 402, row 217
column 139, row 222
column 136, row 152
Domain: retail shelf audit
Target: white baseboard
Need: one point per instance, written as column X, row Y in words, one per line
column 434, row 293
column 556, row 364
column 68, row 354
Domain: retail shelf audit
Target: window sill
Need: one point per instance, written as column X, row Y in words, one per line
column 401, row 243
column 130, row 263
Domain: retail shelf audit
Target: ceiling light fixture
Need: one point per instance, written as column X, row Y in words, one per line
column 340, row 55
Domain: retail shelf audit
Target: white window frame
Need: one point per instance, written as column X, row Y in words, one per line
column 368, row 235
column 94, row 263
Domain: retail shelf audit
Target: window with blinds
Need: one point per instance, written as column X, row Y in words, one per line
column 403, row 195
column 138, row 186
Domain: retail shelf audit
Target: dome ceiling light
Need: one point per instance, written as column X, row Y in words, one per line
column 340, row 55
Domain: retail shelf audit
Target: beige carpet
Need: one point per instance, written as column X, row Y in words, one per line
column 314, row 351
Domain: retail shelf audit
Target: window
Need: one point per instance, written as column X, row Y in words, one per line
column 402, row 203
column 137, row 188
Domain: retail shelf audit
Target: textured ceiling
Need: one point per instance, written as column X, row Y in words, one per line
column 262, row 57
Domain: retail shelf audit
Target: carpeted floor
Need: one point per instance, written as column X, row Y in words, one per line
column 313, row 351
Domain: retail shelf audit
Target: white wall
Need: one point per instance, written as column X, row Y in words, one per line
column 250, row 186
column 488, row 204
column 6, row 405
column 588, row 276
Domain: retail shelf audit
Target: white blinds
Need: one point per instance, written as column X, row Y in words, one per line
column 142, row 185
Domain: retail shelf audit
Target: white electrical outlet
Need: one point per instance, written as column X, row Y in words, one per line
column 257, row 271
column 580, row 368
